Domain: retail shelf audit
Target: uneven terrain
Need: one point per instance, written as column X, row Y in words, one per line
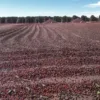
column 57, row 61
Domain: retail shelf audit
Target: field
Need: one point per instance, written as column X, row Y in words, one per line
column 55, row 61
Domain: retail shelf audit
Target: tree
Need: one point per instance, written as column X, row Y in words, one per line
column 74, row 17
column 84, row 18
column 18, row 20
column 69, row 19
column 27, row 19
column 58, row 18
column 55, row 18
column 22, row 19
column 2, row 19
column 32, row 19
column 40, row 19
column 99, row 18
column 10, row 19
column 93, row 18
column 14, row 19
column 36, row 20
column 64, row 18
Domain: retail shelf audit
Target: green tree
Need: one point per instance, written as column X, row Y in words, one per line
column 93, row 18
column 74, row 17
column 3, row 19
column 84, row 18
column 69, row 19
column 64, row 18
column 99, row 18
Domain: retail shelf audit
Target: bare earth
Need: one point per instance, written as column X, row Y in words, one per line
column 59, row 61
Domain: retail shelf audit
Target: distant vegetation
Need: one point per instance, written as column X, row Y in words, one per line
column 41, row 19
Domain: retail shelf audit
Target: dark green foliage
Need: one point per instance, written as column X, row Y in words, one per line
column 57, row 19
column 41, row 19
column 99, row 18
column 74, row 17
column 3, row 19
column 66, row 19
column 84, row 18
column 20, row 20
column 93, row 18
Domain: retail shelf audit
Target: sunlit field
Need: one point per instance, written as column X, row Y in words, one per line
column 50, row 61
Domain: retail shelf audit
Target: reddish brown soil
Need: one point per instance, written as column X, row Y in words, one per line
column 58, row 61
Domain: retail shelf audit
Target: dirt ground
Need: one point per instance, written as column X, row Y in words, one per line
column 57, row 61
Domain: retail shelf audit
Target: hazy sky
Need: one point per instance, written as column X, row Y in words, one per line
column 49, row 7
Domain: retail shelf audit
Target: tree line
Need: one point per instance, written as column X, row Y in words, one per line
column 41, row 19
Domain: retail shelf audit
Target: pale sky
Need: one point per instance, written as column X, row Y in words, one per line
column 49, row 7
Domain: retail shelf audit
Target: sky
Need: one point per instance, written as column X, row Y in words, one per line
column 49, row 7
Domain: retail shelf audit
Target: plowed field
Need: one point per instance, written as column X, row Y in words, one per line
column 59, row 61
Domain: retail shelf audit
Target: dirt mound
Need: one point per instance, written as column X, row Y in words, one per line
column 49, row 21
column 78, row 20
